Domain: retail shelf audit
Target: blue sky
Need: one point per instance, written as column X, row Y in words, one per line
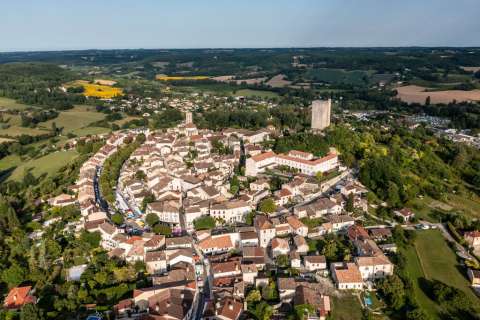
column 85, row 24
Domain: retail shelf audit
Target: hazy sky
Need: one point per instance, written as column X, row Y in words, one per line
column 85, row 24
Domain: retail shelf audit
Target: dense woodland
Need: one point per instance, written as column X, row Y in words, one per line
column 37, row 84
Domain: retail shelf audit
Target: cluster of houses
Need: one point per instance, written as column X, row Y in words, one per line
column 186, row 174
column 184, row 103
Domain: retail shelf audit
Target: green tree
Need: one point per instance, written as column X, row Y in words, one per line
column 151, row 219
column 393, row 289
column 117, row 218
column 162, row 229
column 283, row 261
column 14, row 275
column 30, row 311
column 250, row 217
column 268, row 206
column 254, row 296
column 349, row 206
column 234, row 185
column 149, row 198
column 204, row 223
column 270, row 292
column 417, row 314
column 91, row 238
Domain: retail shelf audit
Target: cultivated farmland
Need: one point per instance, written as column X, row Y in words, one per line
column 418, row 94
column 97, row 90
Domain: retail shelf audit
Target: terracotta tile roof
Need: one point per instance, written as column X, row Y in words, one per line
column 19, row 296
column 250, row 252
column 357, row 232
column 230, row 309
column 229, row 266
column 294, row 222
column 219, row 242
column 263, row 156
column 155, row 256
column 285, row 193
column 405, row 212
column 279, row 243
column 286, row 283
column 261, row 222
column 315, row 259
column 349, row 273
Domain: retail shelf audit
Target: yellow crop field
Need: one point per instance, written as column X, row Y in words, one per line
column 175, row 78
column 98, row 90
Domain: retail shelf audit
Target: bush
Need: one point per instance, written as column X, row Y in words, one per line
column 204, row 223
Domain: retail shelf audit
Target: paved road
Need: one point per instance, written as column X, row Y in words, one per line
column 207, row 277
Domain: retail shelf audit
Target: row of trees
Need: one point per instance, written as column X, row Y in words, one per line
column 113, row 165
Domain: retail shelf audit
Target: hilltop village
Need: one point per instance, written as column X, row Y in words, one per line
column 219, row 220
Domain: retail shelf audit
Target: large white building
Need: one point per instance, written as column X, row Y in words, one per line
column 230, row 212
column 321, row 114
column 302, row 161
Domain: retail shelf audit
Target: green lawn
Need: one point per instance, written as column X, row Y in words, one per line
column 76, row 118
column 90, row 131
column 11, row 104
column 15, row 131
column 346, row 307
column 415, row 273
column 48, row 164
column 432, row 258
column 9, row 162
column 256, row 93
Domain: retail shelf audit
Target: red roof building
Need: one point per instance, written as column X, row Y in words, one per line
column 18, row 297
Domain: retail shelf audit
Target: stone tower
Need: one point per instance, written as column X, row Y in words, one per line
column 321, row 114
column 188, row 118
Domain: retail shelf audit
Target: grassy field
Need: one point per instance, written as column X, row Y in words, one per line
column 125, row 120
column 74, row 119
column 455, row 203
column 471, row 206
column 90, row 131
column 256, row 93
column 48, row 164
column 431, row 258
column 6, row 103
column 346, row 307
column 15, row 131
column 9, row 162
column 415, row 273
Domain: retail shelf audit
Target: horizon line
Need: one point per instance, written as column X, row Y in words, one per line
column 240, row 48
